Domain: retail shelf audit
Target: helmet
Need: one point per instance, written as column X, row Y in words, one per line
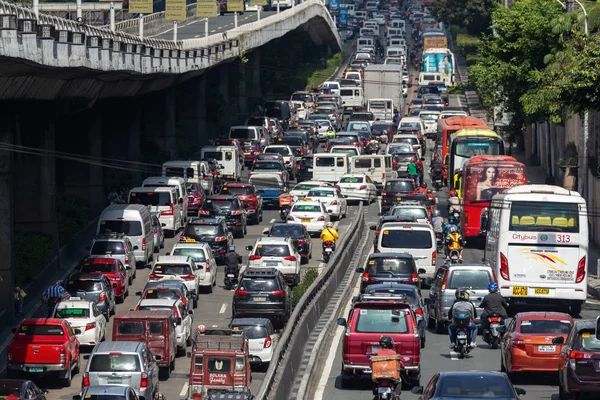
column 452, row 229
column 386, row 342
column 436, row 213
column 461, row 294
column 453, row 193
column 493, row 287
column 330, row 225
column 429, row 191
column 413, row 159
column 231, row 248
column 424, row 185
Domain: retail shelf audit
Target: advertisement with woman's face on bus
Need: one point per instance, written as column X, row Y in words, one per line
column 483, row 182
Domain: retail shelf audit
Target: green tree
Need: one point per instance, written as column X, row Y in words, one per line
column 474, row 15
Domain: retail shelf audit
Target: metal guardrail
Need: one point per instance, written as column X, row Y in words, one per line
column 287, row 356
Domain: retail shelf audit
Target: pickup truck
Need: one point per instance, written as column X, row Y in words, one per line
column 44, row 346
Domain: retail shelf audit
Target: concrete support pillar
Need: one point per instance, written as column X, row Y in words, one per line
column 134, row 132
column 225, row 121
column 97, row 191
column 241, row 89
column 170, row 133
column 201, row 133
column 253, row 81
column 7, row 125
column 47, row 130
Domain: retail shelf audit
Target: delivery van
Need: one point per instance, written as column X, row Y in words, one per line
column 330, row 167
column 164, row 202
column 377, row 166
column 197, row 172
column 227, row 159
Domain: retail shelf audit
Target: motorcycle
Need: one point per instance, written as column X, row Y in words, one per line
column 327, row 251
column 454, row 256
column 285, row 205
column 439, row 241
column 462, row 345
column 437, row 177
column 492, row 334
column 373, row 148
column 283, row 213
column 384, row 386
column 231, row 278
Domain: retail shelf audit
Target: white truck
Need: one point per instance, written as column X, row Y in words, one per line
column 383, row 90
column 352, row 96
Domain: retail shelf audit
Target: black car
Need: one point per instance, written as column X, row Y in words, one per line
column 21, row 389
column 230, row 208
column 469, row 385
column 94, row 287
column 299, row 133
column 395, row 190
column 298, row 234
column 389, row 268
column 209, row 230
column 279, row 109
column 312, row 129
column 305, row 168
column 298, row 145
column 428, row 89
column 262, row 292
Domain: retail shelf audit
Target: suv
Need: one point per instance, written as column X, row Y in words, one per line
column 262, row 292
column 394, row 191
column 288, row 157
column 123, row 364
column 203, row 258
column 389, row 268
column 181, row 268
column 450, row 277
column 231, row 209
column 366, row 323
column 299, row 235
column 276, row 252
column 249, row 197
column 115, row 245
column 261, row 337
column 93, row 287
column 209, row 230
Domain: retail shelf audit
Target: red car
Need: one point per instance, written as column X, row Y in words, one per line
column 249, row 196
column 251, row 150
column 114, row 270
column 195, row 201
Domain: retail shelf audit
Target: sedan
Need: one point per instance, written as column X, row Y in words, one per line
column 469, row 385
column 85, row 316
column 357, row 187
column 333, row 200
column 114, row 270
column 311, row 214
column 302, row 189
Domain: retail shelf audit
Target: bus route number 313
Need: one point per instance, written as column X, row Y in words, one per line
column 560, row 238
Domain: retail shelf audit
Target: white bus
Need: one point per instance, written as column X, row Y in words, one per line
column 537, row 245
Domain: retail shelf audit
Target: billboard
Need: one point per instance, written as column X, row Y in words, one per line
column 206, row 8
column 343, row 17
column 435, row 42
column 482, row 182
column 438, row 62
column 334, row 7
column 175, row 10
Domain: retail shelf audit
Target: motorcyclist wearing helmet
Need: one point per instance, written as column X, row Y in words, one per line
column 454, row 202
column 437, row 221
column 232, row 259
column 329, row 234
column 412, row 170
column 462, row 305
column 493, row 303
column 431, row 196
column 454, row 241
column 387, row 348
column 422, row 189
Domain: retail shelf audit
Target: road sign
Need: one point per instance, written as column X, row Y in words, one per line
column 235, row 5
column 334, row 7
column 206, row 8
column 175, row 10
column 141, row 6
column 343, row 17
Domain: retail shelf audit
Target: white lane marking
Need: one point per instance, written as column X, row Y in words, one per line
column 453, row 355
column 219, row 27
column 214, row 326
column 197, row 36
column 214, row 30
column 328, row 368
column 223, row 308
column 272, row 221
column 183, row 393
column 179, row 27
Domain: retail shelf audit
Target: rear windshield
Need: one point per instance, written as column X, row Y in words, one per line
column 417, row 213
column 243, row 133
column 406, row 239
column 276, row 150
column 307, row 208
column 217, row 155
column 150, row 198
column 391, row 266
column 131, row 328
column 129, row 228
column 477, row 279
column 197, row 230
column 307, row 98
column 272, row 250
column 408, row 295
column 410, row 125
column 285, row 230
column 381, row 321
column 47, row 330
column 586, row 341
column 114, row 362
column 544, row 216
column 155, row 308
column 307, row 162
column 104, row 397
column 172, row 269
column 352, row 179
column 237, row 190
column 161, row 294
column 461, row 388
column 107, row 247
column 84, row 285
column 252, row 331
column 218, row 205
column 546, row 326
column 196, row 254
column 400, row 186
column 351, row 152
column 258, row 285
column 254, row 122
column 112, row 267
column 268, row 165
column 320, row 193
column 72, row 313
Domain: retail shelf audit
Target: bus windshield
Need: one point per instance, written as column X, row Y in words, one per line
column 482, row 182
column 544, row 216
column 475, row 147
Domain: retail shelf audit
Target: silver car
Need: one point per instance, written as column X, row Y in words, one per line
column 448, row 278
column 123, row 364
column 107, row 392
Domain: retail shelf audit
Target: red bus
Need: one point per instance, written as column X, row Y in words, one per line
column 447, row 127
column 482, row 178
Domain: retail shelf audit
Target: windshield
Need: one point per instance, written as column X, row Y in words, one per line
column 417, row 212
column 320, row 193
column 586, row 341
column 272, row 250
column 391, row 266
column 307, row 98
column 352, row 179
column 406, row 239
column 415, row 125
column 99, row 267
column 129, row 228
column 358, row 126
column 266, row 181
column 400, row 186
column 254, row 122
column 381, row 321
column 350, row 152
column 544, row 216
column 287, row 230
column 478, row 148
column 461, row 387
column 45, row 330
column 259, row 285
column 243, row 133
column 114, row 363
column 196, row 254
column 252, row 331
column 171, row 294
column 429, row 117
column 378, row 105
column 237, row 190
column 267, row 165
column 84, row 286
column 217, row 155
column 543, row 326
column 276, row 150
column 74, row 312
column 219, row 205
column 107, row 247
column 475, row 279
column 197, row 230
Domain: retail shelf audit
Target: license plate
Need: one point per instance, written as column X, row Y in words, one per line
column 541, row 291
column 230, row 275
column 519, row 291
column 384, row 390
column 547, row 349
column 305, row 219
column 114, row 380
column 310, row 170
column 271, row 263
column 461, row 336
column 260, row 299
column 35, row 369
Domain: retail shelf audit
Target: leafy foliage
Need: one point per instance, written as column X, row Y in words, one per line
column 73, row 214
column 32, row 253
column 307, row 280
column 474, row 15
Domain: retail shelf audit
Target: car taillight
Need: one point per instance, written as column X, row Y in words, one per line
column 357, row 144
column 170, row 212
column 384, row 193
column 581, row 270
column 255, row 257
column 278, row 293
column 143, row 244
column 236, row 212
column 321, row 218
column 220, row 238
column 289, row 258
column 519, row 344
column 63, row 355
column 268, row 342
column 154, row 276
column 241, row 293
column 203, row 212
column 579, row 355
column 445, row 280
column 90, row 325
column 362, row 187
column 155, row 231
column 86, row 379
column 144, row 381
column 102, row 296
column 414, row 278
column 207, row 269
column 433, row 258
column 494, row 319
column 367, row 278
column 504, row 273
column 188, row 277
column 301, row 241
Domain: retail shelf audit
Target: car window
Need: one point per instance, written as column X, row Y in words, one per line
column 586, row 341
column 84, row 285
column 258, row 285
column 197, row 230
column 114, row 363
column 351, row 179
column 237, row 190
column 72, row 312
column 497, row 387
column 172, row 269
column 272, row 250
column 129, row 228
column 287, row 230
column 476, row 279
column 161, row 294
column 320, row 193
column 130, row 328
column 543, row 326
column 306, row 208
column 381, row 321
column 196, row 254
column 98, row 267
column 150, row 198
column 107, row 247
column 252, row 331
column 390, row 265
column 155, row 327
column 417, row 213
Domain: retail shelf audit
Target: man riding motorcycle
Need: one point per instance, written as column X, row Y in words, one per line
column 387, row 348
column 285, row 203
column 462, row 305
column 454, row 241
column 232, row 261
column 493, row 303
column 438, row 222
column 422, row 189
column 454, row 202
column 329, row 234
column 412, row 170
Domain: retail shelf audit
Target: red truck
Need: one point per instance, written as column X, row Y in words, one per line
column 44, row 346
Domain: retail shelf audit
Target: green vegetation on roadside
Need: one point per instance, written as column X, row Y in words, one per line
column 72, row 214
column 307, row 280
column 319, row 76
column 32, row 252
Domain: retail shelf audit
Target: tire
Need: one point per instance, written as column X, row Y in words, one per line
column 181, row 351
column 430, row 323
column 575, row 309
column 195, row 303
column 120, row 299
column 303, row 260
column 77, row 368
column 502, row 366
column 440, row 328
column 209, row 289
column 346, row 381
column 66, row 381
column 164, row 373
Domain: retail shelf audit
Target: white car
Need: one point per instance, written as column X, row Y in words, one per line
column 324, row 126
column 452, row 113
column 411, row 209
column 357, row 187
column 345, row 149
column 335, row 204
column 183, row 328
column 182, row 268
column 261, row 336
column 85, row 316
column 302, row 112
column 285, row 151
column 311, row 214
column 380, row 18
column 301, row 190
column 206, row 265
column 430, row 119
column 276, row 252
column 333, row 86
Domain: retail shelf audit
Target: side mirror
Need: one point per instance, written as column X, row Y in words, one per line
column 167, row 254
column 360, row 270
column 249, row 248
column 114, row 285
column 128, row 268
column 559, row 341
column 341, row 321
column 265, row 231
column 520, row 392
column 330, row 211
column 178, row 320
column 135, row 247
column 421, row 271
column 163, row 225
column 417, row 390
column 138, row 293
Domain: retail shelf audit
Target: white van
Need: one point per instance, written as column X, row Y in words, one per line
column 132, row 220
column 426, row 78
column 333, row 86
column 245, row 132
column 197, row 172
column 372, row 25
column 227, row 158
column 395, row 52
column 350, row 8
column 395, row 32
column 162, row 201
column 367, row 32
column 352, row 98
column 398, row 23
column 361, row 14
column 330, row 167
column 171, row 181
column 415, row 239
column 377, row 166
column 365, row 41
column 353, row 75
column 397, row 42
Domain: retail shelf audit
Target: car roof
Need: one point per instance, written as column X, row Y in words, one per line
column 122, row 346
column 205, row 221
column 158, row 302
column 307, row 202
column 193, row 245
column 74, row 303
column 272, row 240
column 86, row 276
column 495, row 374
column 535, row 315
column 387, row 255
column 170, row 284
column 173, row 260
column 585, row 324
column 402, row 286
